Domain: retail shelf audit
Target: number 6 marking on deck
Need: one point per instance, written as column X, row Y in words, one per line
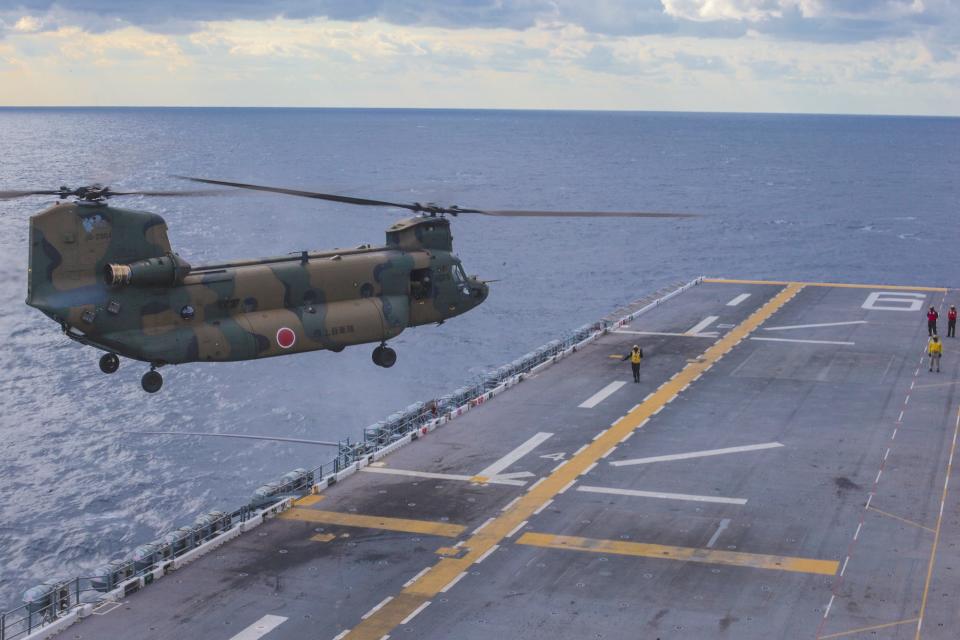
column 882, row 301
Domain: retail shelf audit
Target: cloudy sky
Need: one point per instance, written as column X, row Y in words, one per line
column 833, row 56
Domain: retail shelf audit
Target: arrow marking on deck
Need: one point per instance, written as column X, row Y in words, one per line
column 500, row 465
column 814, row 326
column 602, row 395
column 720, row 529
column 696, row 454
column 662, row 495
column 440, row 574
column 260, row 628
column 703, row 324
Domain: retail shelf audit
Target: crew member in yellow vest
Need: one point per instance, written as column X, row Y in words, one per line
column 635, row 356
column 935, row 349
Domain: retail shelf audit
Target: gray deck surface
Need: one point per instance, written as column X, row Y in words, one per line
column 764, row 561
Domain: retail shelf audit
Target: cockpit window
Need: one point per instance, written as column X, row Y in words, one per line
column 458, row 275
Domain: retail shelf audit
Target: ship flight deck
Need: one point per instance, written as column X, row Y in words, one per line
column 781, row 470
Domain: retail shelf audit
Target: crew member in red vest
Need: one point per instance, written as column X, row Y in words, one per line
column 952, row 322
column 932, row 316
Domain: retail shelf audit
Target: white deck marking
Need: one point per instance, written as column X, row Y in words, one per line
column 517, row 528
column 829, row 604
column 543, row 506
column 341, row 635
column 696, row 454
column 511, row 503
column 507, row 460
column 414, row 613
column 708, row 334
column 723, row 525
column 480, row 528
column 601, row 395
column 814, row 326
column 740, row 298
column 442, row 476
column 414, row 578
column 486, row 554
column 260, row 628
column 662, row 495
column 453, row 582
column 703, row 324
column 840, row 342
column 382, row 604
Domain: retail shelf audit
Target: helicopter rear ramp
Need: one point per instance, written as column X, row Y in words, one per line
column 780, row 470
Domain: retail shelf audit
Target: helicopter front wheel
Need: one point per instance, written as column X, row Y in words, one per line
column 384, row 356
column 151, row 381
column 109, row 363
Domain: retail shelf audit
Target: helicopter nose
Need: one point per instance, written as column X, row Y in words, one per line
column 479, row 289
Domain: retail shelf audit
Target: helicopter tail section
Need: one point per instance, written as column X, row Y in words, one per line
column 72, row 244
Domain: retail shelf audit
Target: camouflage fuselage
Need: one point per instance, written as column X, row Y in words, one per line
column 110, row 278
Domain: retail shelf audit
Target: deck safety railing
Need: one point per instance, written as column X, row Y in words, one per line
column 55, row 600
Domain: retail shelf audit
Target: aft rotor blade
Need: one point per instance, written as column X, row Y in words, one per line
column 304, row 194
column 513, row 213
column 9, row 195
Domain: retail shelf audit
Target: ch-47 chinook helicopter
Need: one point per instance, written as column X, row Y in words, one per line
column 110, row 278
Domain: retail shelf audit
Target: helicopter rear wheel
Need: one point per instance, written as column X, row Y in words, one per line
column 109, row 363
column 151, row 381
column 384, row 356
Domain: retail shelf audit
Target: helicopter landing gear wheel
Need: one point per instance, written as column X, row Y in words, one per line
column 151, row 381
column 384, row 356
column 109, row 363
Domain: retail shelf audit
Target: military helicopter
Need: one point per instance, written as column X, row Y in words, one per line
column 109, row 277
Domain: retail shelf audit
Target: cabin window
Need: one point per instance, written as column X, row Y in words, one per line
column 421, row 284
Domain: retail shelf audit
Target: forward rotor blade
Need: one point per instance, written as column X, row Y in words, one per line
column 198, row 192
column 511, row 213
column 304, row 194
column 9, row 195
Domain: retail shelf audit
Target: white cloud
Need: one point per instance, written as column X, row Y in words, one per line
column 28, row 24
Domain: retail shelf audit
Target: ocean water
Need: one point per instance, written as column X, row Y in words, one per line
column 828, row 198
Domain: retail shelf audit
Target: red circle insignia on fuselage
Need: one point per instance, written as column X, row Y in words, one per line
column 286, row 337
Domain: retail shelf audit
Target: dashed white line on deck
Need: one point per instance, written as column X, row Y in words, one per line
column 697, row 454
column 382, row 604
column 602, row 395
column 260, row 628
column 814, row 326
column 662, row 495
column 500, row 465
column 415, row 612
column 837, row 342
column 703, row 324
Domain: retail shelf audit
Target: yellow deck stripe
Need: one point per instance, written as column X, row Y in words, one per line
column 875, row 627
column 904, row 520
column 936, row 531
column 308, row 500
column 448, row 569
column 685, row 554
column 426, row 527
column 838, row 285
